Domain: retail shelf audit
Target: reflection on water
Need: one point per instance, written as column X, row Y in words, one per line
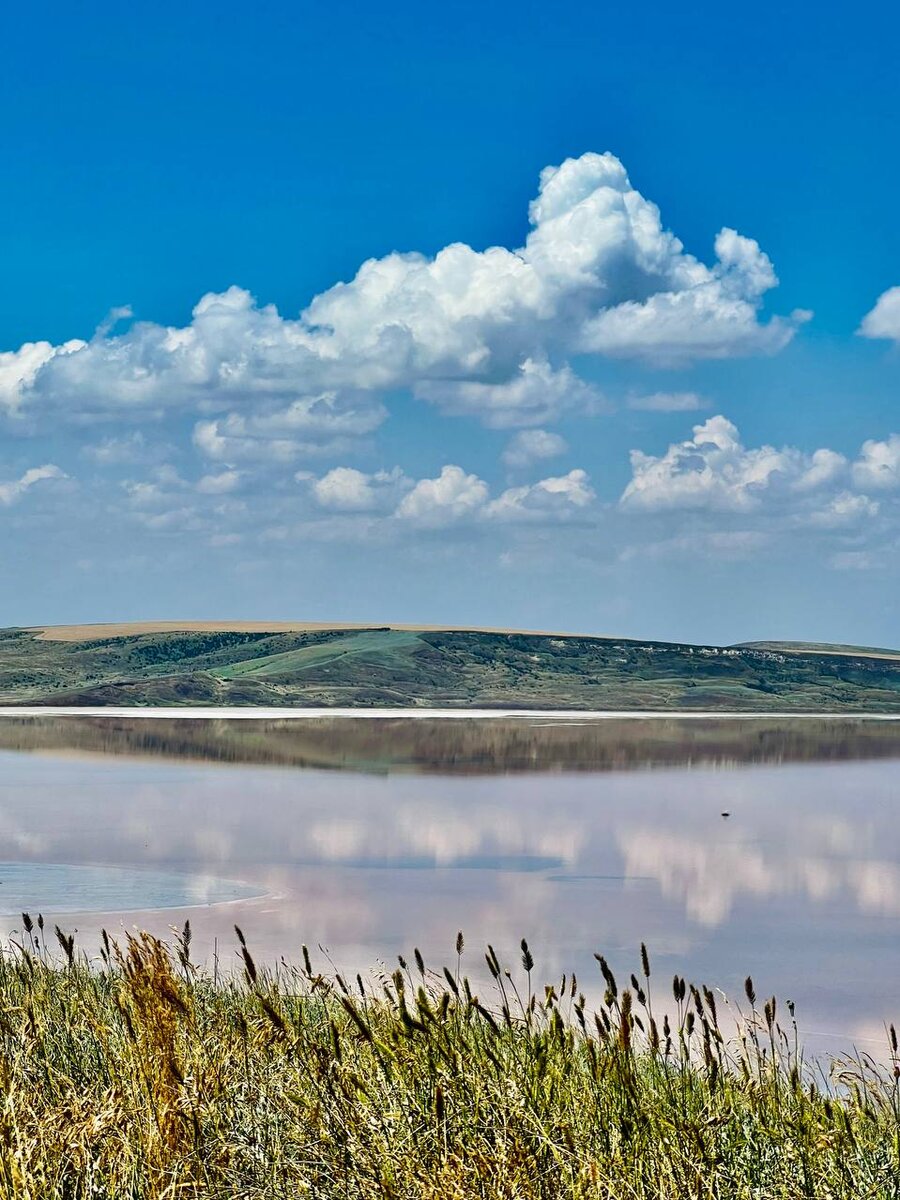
column 465, row 746
column 799, row 885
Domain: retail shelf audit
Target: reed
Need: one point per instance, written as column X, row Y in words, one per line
column 137, row 1074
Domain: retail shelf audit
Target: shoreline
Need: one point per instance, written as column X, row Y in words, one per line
column 570, row 716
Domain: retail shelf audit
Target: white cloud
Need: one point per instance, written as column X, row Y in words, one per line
column 666, row 402
column 535, row 392
column 347, row 490
column 824, row 467
column 16, row 488
column 451, row 495
column 310, row 425
column 702, row 313
column 878, row 465
column 710, row 470
column 163, row 484
column 554, row 497
column 713, row 470
column 845, row 509
column 483, row 332
column 533, row 445
column 217, row 485
column 454, row 495
column 165, row 487
column 19, row 368
column 773, row 493
column 884, row 319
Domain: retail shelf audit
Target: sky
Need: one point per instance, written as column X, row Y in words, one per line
column 578, row 317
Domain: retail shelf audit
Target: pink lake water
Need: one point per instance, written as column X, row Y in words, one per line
column 798, row 886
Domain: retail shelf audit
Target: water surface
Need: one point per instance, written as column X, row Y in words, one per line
column 799, row 885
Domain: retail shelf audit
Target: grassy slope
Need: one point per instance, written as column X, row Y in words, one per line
column 389, row 666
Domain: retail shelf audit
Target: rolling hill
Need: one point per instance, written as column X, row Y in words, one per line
column 283, row 664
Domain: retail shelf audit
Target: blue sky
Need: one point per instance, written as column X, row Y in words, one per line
column 593, row 426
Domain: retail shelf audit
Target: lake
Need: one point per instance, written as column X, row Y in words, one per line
column 371, row 838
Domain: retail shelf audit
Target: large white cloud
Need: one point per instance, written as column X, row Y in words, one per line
column 710, row 470
column 484, row 332
column 715, row 472
column 13, row 489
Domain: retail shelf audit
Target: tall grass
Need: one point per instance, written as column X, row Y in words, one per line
column 140, row 1075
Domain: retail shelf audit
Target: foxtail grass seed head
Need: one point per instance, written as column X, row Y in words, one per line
column 527, row 959
column 645, row 961
column 608, row 977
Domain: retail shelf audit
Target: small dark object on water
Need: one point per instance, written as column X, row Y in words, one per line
column 726, row 814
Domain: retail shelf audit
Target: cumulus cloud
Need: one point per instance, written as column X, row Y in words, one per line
column 884, row 319
column 346, row 489
column 844, row 509
column 878, row 465
column 14, row 489
column 556, row 497
column 705, row 313
column 481, row 332
column 437, row 501
column 452, row 496
column 535, row 393
column 310, row 425
column 710, row 470
column 713, row 470
column 20, row 368
column 823, row 467
column 533, row 445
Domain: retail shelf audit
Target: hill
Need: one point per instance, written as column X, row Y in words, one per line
column 286, row 664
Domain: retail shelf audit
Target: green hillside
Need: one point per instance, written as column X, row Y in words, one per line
column 406, row 667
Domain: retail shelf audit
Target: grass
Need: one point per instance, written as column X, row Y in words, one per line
column 140, row 1075
column 370, row 642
